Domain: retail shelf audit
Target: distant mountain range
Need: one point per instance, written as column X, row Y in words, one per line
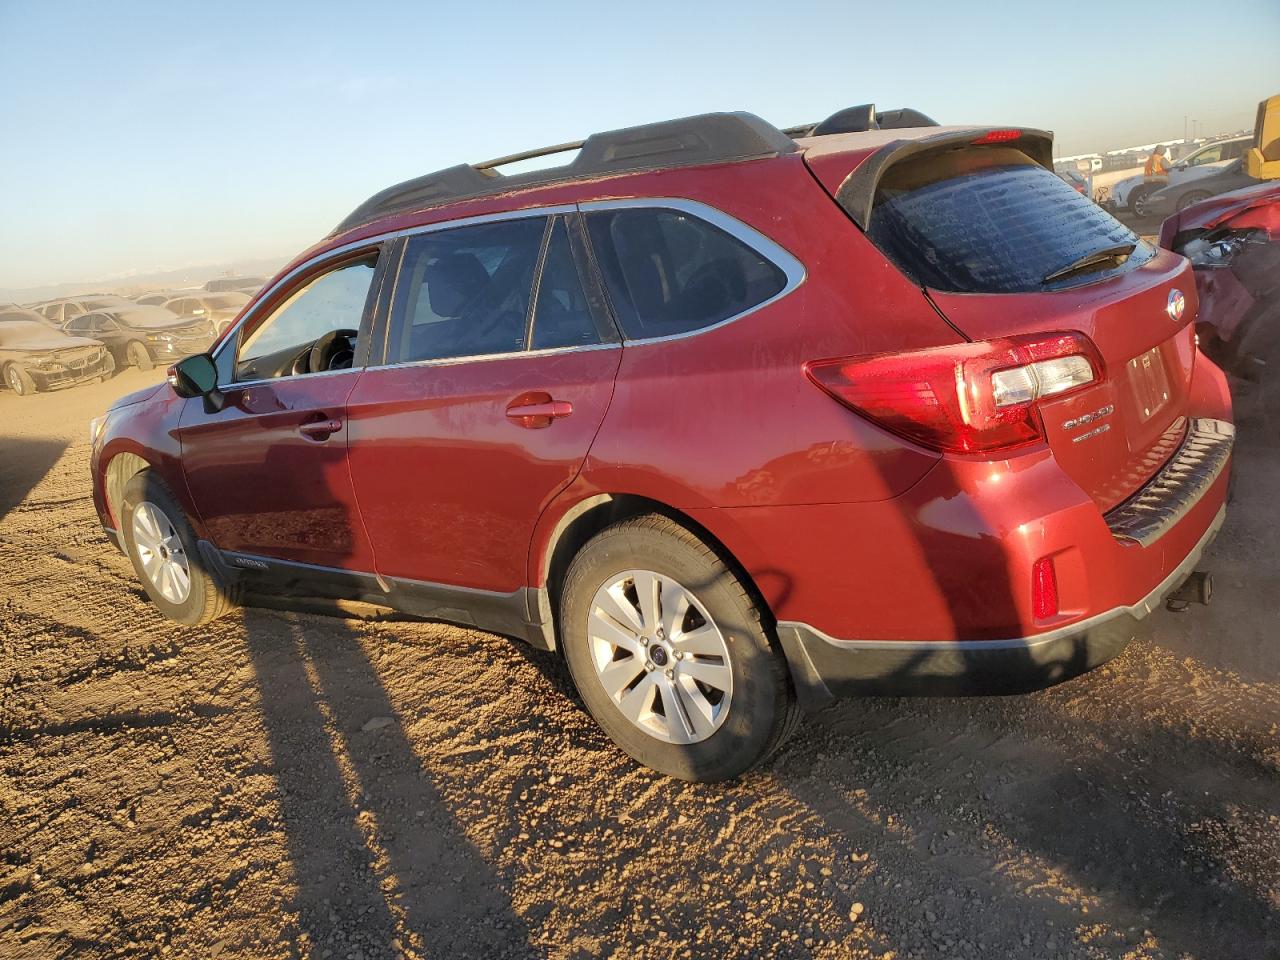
column 193, row 276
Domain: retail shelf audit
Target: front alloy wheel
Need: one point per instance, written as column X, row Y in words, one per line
column 660, row 657
column 160, row 551
column 160, row 541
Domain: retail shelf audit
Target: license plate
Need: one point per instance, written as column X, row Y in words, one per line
column 1150, row 383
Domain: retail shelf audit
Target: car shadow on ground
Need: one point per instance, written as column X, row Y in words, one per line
column 379, row 863
column 24, row 462
column 983, row 802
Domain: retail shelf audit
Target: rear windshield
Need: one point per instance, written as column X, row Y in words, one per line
column 994, row 221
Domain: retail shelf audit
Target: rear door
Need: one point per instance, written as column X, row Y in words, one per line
column 498, row 369
column 1004, row 248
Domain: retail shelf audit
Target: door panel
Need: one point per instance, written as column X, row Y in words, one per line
column 450, row 485
column 268, row 481
column 268, row 471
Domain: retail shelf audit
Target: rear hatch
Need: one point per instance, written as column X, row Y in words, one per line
column 1004, row 248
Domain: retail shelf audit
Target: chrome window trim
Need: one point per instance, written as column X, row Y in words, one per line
column 486, row 357
column 367, row 242
column 771, row 250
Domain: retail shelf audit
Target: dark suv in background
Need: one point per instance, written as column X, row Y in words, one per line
column 737, row 419
column 142, row 336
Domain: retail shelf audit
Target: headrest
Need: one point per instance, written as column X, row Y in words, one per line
column 453, row 280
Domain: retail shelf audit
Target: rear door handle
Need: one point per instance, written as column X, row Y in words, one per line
column 320, row 429
column 536, row 415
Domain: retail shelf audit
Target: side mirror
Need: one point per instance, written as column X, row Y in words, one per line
column 197, row 376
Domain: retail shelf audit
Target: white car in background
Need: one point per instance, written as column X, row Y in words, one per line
column 1131, row 193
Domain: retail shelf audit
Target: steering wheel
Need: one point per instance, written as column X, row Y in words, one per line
column 334, row 351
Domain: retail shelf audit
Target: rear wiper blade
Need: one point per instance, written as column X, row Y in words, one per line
column 1091, row 261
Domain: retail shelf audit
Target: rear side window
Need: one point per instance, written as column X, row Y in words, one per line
column 562, row 316
column 992, row 221
column 669, row 272
column 465, row 292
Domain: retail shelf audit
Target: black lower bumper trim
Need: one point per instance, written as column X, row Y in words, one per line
column 823, row 668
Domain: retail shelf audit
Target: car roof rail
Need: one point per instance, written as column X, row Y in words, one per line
column 706, row 138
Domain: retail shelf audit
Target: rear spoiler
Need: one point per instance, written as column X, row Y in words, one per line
column 858, row 192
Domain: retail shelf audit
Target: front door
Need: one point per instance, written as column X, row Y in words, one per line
column 268, row 472
column 499, row 368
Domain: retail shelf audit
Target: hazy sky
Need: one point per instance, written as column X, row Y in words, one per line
column 144, row 136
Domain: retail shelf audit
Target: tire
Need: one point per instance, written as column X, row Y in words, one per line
column 19, row 381
column 138, row 355
column 1138, row 202
column 744, row 714
column 1194, row 197
column 109, row 368
column 148, row 508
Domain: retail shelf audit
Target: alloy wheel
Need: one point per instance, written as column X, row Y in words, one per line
column 660, row 657
column 160, row 551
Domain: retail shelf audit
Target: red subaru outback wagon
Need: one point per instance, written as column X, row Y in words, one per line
column 738, row 420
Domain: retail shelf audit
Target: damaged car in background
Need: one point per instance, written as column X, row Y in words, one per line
column 34, row 357
column 1233, row 242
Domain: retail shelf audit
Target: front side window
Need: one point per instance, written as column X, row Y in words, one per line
column 670, row 272
column 1211, row 155
column 81, row 325
column 288, row 341
column 465, row 292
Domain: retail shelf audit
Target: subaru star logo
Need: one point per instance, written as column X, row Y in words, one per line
column 1176, row 305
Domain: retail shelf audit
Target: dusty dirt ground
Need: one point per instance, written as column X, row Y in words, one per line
column 285, row 784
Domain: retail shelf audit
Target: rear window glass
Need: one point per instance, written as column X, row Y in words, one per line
column 993, row 221
column 669, row 272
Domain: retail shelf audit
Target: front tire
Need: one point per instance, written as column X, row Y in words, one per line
column 1138, row 202
column 138, row 355
column 1192, row 198
column 166, row 557
column 671, row 654
column 19, row 381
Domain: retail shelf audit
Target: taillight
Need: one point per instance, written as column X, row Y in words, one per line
column 1044, row 589
column 966, row 398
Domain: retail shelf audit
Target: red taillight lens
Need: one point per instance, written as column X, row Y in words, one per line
column 966, row 398
column 1044, row 589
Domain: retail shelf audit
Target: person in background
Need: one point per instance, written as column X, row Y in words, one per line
column 1157, row 163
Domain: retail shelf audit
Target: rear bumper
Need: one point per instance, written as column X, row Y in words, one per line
column 824, row 668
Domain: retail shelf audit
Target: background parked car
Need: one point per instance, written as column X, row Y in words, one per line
column 249, row 285
column 59, row 311
column 34, row 357
column 1077, row 182
column 219, row 309
column 1179, row 196
column 142, row 336
column 155, row 298
column 1132, row 192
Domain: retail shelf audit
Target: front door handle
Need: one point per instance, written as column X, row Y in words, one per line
column 320, row 429
column 528, row 412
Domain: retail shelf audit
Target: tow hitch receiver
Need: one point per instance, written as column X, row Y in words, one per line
column 1197, row 588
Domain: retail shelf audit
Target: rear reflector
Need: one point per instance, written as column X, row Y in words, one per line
column 1044, row 589
column 966, row 398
